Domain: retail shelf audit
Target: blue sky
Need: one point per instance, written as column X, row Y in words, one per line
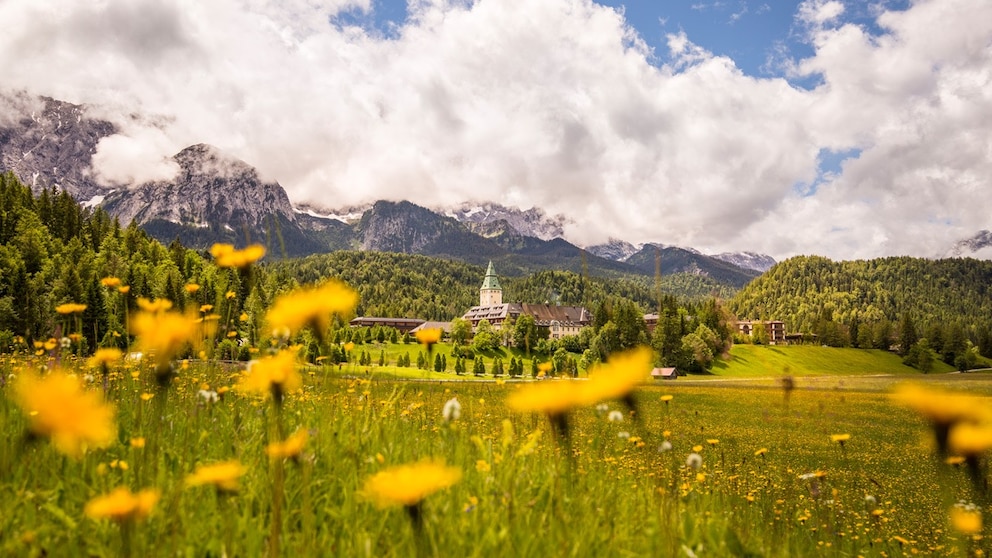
column 845, row 128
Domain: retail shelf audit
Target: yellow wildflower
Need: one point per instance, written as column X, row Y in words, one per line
column 429, row 336
column 552, row 397
column 224, row 475
column 138, row 442
column 156, row 305
column 290, row 447
column 618, row 377
column 966, row 519
column 482, row 466
column 191, row 288
column 273, row 375
column 124, row 289
column 70, row 308
column 666, row 398
column 206, row 308
column 970, row 439
column 840, row 438
column 122, row 505
column 229, row 295
column 761, row 452
column 226, row 256
column 163, row 334
column 60, row 409
column 104, row 357
column 110, row 282
column 312, row 306
column 407, row 485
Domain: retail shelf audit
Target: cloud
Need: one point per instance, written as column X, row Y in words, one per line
column 557, row 104
column 135, row 157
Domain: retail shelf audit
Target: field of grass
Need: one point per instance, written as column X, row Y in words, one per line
column 770, row 480
column 813, row 360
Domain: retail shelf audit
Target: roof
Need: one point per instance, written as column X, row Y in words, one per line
column 443, row 326
column 367, row 320
column 495, row 311
column 491, row 282
column 544, row 314
column 664, row 372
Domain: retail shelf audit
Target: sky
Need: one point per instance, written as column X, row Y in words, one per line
column 849, row 129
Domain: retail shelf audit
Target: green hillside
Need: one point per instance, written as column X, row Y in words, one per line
column 813, row 360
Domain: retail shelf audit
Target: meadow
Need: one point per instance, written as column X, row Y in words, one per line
column 831, row 467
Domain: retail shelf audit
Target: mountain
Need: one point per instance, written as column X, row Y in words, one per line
column 50, row 143
column 681, row 260
column 216, row 198
column 531, row 222
column 978, row 246
column 748, row 260
column 615, row 249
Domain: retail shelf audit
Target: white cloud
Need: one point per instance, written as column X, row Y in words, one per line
column 554, row 104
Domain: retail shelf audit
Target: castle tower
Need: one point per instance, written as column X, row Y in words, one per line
column 491, row 293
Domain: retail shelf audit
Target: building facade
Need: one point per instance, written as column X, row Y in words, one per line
column 560, row 320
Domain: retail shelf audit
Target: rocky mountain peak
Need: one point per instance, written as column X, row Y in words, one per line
column 212, row 188
column 48, row 143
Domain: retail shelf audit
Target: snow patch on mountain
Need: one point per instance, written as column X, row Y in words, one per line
column 748, row 260
column 978, row 246
column 531, row 222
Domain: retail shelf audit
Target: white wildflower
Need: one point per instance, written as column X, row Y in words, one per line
column 452, row 410
column 209, row 396
column 615, row 416
column 694, row 461
column 624, row 435
column 665, row 446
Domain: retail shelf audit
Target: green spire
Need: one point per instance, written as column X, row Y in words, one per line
column 491, row 282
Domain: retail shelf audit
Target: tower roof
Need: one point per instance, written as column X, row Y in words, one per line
column 491, row 282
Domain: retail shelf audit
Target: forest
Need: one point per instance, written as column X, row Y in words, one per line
column 53, row 252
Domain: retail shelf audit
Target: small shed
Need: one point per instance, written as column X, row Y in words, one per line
column 664, row 373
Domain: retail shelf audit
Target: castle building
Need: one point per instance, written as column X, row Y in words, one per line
column 560, row 320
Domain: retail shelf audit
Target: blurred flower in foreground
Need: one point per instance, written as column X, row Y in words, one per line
column 291, row 447
column 312, row 306
column 966, row 518
column 70, row 308
column 225, row 476
column 60, row 409
column 274, row 375
column 617, row 378
column 226, row 256
column 429, row 337
column 553, row 398
column 944, row 410
column 163, row 334
column 452, row 410
column 408, row 485
column 122, row 505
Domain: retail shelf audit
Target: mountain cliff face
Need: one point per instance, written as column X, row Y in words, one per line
column 680, row 260
column 532, row 222
column 409, row 228
column 616, row 250
column 748, row 260
column 50, row 143
column 211, row 189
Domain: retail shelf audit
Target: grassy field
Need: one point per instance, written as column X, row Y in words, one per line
column 770, row 480
column 813, row 360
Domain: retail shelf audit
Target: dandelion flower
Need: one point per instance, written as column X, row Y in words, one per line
column 291, row 447
column 274, row 375
column 191, row 288
column 615, row 416
column 122, row 505
column 694, row 461
column 429, row 336
column 840, row 438
column 618, row 377
column 761, row 452
column 552, row 398
column 70, row 308
column 944, row 410
column 666, row 398
column 110, row 282
column 156, row 305
column 104, row 357
column 163, row 335
column 224, row 476
column 966, row 519
column 312, row 306
column 59, row 408
column 226, row 256
column 407, row 485
column 969, row 439
column 665, row 446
